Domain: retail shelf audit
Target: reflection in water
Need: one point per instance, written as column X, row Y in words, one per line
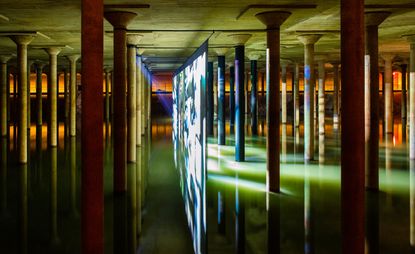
column 221, row 214
column 23, row 216
column 239, row 219
column 388, row 164
column 273, row 223
column 412, row 202
column 3, row 174
column 138, row 189
column 39, row 156
column 54, row 237
column 308, row 220
column 132, row 211
column 372, row 222
column 120, row 224
column 73, row 183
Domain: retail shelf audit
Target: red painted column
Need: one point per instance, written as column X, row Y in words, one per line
column 120, row 20
column 92, row 129
column 352, row 130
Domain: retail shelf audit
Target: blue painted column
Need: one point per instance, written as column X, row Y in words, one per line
column 254, row 95
column 232, row 98
column 210, row 106
column 240, row 103
column 221, row 100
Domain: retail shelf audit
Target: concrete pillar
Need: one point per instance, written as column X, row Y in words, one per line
column 29, row 110
column 335, row 93
column 273, row 21
column 221, row 96
column 39, row 106
column 66, row 99
column 309, row 81
column 372, row 21
column 254, row 93
column 352, row 130
column 120, row 20
column 321, row 93
column 92, row 223
column 72, row 95
column 142, row 84
column 107, row 95
column 240, row 40
column 403, row 97
column 411, row 39
column 4, row 79
column 53, row 79
column 284, row 93
column 210, row 100
column 232, row 98
column 296, row 95
column 132, row 42
column 388, row 93
column 22, row 41
column 139, row 99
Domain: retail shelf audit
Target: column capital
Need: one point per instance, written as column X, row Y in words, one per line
column 240, row 39
column 140, row 51
column 375, row 18
column 23, row 38
column 119, row 19
column 53, row 50
column 134, row 39
column 285, row 62
column 387, row 56
column 273, row 19
column 5, row 58
column 254, row 56
column 73, row 58
column 308, row 39
column 221, row 51
column 107, row 69
column 410, row 38
column 320, row 58
column 39, row 65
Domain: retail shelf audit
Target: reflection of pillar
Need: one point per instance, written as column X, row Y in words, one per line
column 132, row 211
column 412, row 202
column 296, row 97
column 352, row 130
column 221, row 96
column 240, row 236
column 254, row 94
column 273, row 21
column 53, row 78
column 92, row 195
column 372, row 222
column 240, row 40
column 22, row 41
column 39, row 70
column 4, row 79
column 120, row 20
column 3, row 174
column 221, row 213
column 308, row 221
column 372, row 21
column 309, row 82
column 403, row 102
column 210, row 101
column 23, row 217
column 335, row 94
column 388, row 93
column 232, row 98
column 73, row 183
column 54, row 238
column 273, row 223
column 138, row 188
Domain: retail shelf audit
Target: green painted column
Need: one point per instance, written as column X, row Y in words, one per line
column 4, row 79
column 22, row 42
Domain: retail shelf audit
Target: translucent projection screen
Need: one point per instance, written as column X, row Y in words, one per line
column 189, row 140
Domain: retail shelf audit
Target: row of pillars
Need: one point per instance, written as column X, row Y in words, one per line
column 22, row 41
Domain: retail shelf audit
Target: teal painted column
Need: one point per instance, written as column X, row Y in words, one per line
column 232, row 98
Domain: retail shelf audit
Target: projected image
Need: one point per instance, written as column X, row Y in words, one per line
column 189, row 86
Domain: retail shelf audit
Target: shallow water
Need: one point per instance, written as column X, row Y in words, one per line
column 40, row 203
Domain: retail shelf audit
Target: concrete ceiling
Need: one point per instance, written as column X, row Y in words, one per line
column 59, row 24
